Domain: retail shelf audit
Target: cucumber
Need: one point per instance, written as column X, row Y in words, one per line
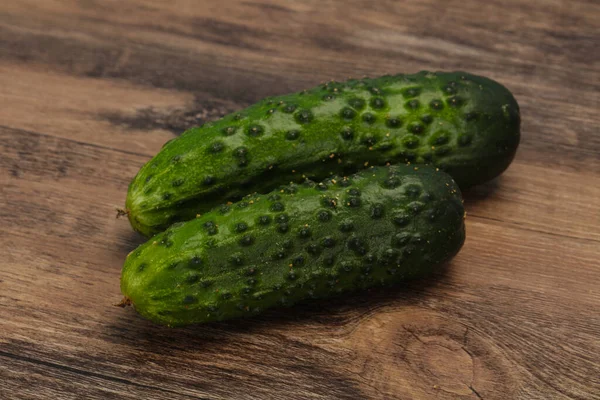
column 464, row 124
column 380, row 226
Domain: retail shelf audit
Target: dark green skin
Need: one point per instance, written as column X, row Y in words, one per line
column 464, row 124
column 379, row 227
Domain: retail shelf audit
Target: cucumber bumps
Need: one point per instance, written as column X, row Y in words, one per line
column 464, row 124
column 380, row 226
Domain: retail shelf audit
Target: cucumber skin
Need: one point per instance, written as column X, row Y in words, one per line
column 408, row 221
column 413, row 118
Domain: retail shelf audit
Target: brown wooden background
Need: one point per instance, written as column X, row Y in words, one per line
column 91, row 89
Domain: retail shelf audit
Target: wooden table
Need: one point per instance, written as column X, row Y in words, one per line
column 91, row 89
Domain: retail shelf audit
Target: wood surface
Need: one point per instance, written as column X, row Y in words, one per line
column 91, row 89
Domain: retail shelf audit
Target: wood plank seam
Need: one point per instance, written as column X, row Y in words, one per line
column 97, row 146
column 78, row 371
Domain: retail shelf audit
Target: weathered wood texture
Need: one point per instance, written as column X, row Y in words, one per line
column 90, row 89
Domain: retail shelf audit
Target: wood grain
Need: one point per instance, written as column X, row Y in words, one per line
column 90, row 90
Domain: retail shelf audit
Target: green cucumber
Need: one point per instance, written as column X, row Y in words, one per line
column 378, row 227
column 464, row 124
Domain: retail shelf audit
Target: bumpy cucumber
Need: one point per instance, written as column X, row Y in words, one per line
column 380, row 226
column 464, row 124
